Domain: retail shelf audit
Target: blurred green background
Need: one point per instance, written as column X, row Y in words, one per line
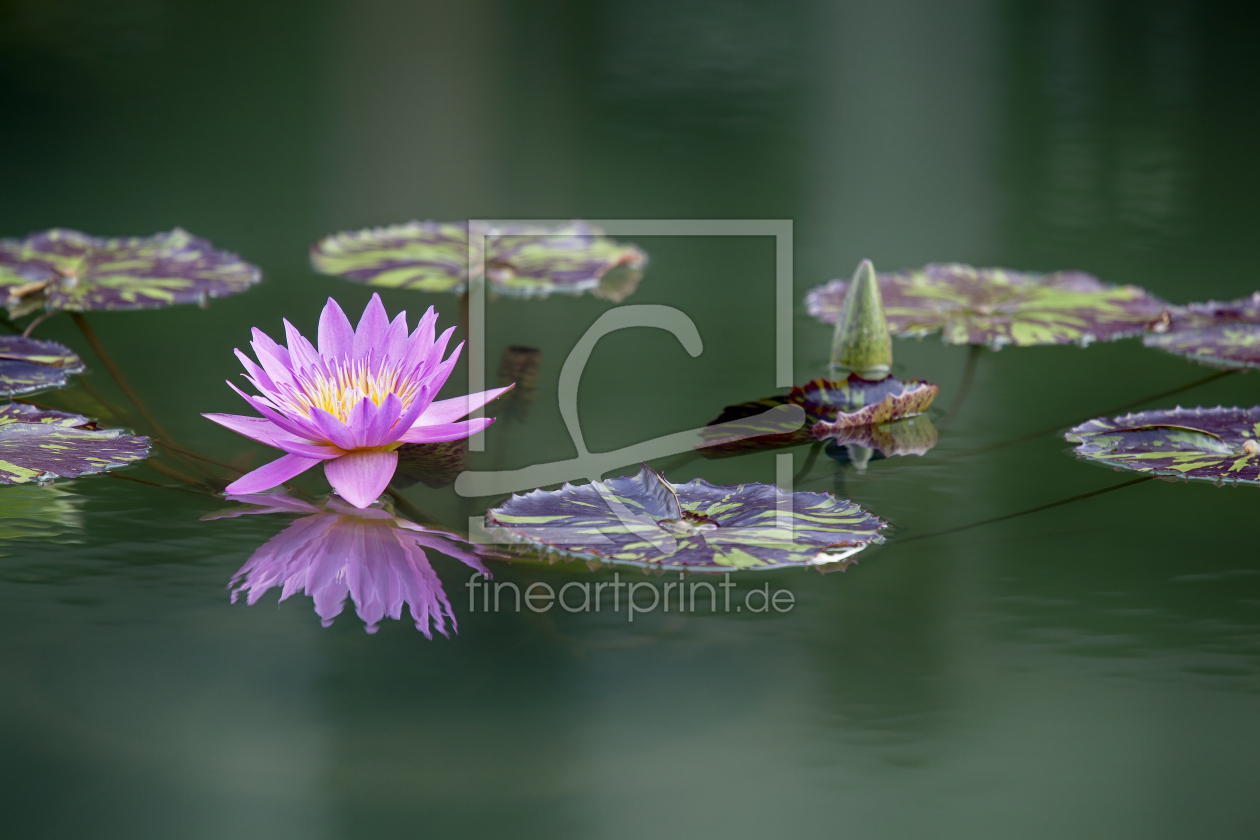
column 1090, row 671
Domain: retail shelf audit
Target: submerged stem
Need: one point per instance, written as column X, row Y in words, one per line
column 964, row 387
column 30, row 328
column 86, row 329
column 1037, row 509
column 1220, row 374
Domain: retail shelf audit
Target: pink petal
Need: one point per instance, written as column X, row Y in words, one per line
column 268, row 433
column 371, row 327
column 446, row 411
column 254, row 428
column 266, row 477
column 439, row 432
column 256, row 374
column 336, row 336
column 273, row 358
column 333, row 430
column 361, row 477
column 301, row 353
column 383, row 430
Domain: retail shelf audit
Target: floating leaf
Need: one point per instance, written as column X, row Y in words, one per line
column 370, row 555
column 1215, row 444
column 65, row 269
column 854, row 401
column 40, row 445
column 1225, row 334
column 996, row 307
column 525, row 261
column 645, row 520
column 433, row 464
column 32, row 364
column 829, row 405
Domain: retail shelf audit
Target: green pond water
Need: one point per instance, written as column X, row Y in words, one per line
column 1091, row 670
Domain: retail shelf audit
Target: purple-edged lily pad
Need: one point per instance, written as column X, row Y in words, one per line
column 996, row 306
column 830, row 406
column 40, row 446
column 65, row 269
column 523, row 261
column 645, row 520
column 31, row 364
column 1212, row 444
column 1223, row 334
column 371, row 555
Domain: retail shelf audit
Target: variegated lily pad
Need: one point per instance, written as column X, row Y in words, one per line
column 65, row 269
column 40, row 445
column 645, row 520
column 1213, row 444
column 849, row 403
column 520, row 261
column 996, row 307
column 1224, row 334
column 31, row 364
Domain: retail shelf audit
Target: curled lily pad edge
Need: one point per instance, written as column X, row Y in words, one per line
column 1140, row 421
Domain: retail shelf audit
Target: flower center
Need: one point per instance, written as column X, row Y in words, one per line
column 338, row 385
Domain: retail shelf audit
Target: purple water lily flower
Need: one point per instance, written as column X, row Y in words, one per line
column 372, row 556
column 352, row 403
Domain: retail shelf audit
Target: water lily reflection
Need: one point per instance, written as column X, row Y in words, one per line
column 371, row 555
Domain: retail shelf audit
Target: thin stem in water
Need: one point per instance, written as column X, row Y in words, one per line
column 1037, row 509
column 964, row 387
column 1111, row 411
column 86, row 329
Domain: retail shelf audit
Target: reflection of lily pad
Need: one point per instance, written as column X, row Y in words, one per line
column 31, row 364
column 643, row 519
column 996, row 307
column 830, row 405
column 65, row 269
column 908, row 436
column 1215, row 444
column 434, row 464
column 33, row 512
column 40, row 445
column 1226, row 334
column 370, row 555
column 525, row 261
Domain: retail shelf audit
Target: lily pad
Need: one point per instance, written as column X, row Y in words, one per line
column 40, row 445
column 1212, row 444
column 831, row 405
column 524, row 261
column 1223, row 334
column 336, row 550
column 63, row 269
column 645, row 520
column 32, row 364
column 996, row 306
